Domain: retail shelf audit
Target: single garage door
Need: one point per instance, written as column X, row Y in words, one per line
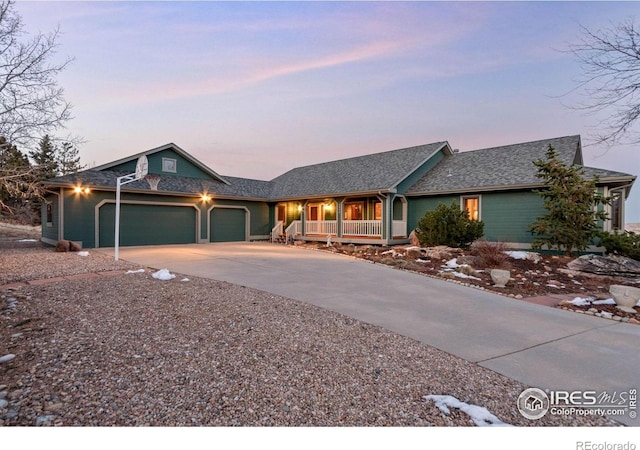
column 148, row 224
column 227, row 225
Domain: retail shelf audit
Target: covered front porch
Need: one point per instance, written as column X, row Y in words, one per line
column 379, row 219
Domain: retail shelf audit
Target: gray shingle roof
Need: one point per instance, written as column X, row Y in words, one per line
column 236, row 187
column 370, row 173
column 492, row 168
column 496, row 167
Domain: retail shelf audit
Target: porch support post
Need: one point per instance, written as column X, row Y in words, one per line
column 303, row 218
column 340, row 215
column 386, row 215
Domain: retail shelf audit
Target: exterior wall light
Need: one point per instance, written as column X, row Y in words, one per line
column 81, row 190
column 205, row 197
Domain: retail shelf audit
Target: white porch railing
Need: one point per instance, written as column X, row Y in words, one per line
column 362, row 228
column 321, row 227
column 276, row 231
column 293, row 229
column 399, row 228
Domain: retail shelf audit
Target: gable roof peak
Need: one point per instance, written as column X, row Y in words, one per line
column 169, row 146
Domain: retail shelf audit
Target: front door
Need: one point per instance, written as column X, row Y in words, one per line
column 281, row 214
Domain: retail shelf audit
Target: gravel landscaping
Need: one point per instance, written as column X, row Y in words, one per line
column 128, row 349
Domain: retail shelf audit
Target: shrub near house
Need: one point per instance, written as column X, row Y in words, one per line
column 450, row 226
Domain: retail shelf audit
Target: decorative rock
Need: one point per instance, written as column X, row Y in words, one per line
column 635, row 321
column 7, row 358
column 3, row 403
column 75, row 246
column 612, row 265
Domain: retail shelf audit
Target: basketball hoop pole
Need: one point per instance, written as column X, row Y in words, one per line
column 142, row 168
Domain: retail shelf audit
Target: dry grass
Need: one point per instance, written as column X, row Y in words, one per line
column 490, row 255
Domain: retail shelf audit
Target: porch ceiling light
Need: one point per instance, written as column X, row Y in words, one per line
column 205, row 197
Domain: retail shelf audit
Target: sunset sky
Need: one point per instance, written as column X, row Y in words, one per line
column 254, row 89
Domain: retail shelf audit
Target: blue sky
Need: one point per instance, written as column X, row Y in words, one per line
column 254, row 89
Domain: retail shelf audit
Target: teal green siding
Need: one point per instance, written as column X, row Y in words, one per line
column 506, row 215
column 148, row 225
column 420, row 205
column 228, row 225
column 185, row 168
column 80, row 217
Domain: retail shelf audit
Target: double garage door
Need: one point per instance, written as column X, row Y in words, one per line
column 142, row 224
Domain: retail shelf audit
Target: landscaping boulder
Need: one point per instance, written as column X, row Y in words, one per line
column 63, row 246
column 75, row 246
column 611, row 265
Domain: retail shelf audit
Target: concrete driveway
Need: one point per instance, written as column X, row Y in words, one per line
column 537, row 345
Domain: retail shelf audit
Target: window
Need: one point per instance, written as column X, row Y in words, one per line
column 616, row 212
column 49, row 214
column 353, row 211
column 378, row 211
column 169, row 165
column 472, row 206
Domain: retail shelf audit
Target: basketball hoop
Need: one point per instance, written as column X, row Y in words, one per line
column 142, row 167
column 153, row 181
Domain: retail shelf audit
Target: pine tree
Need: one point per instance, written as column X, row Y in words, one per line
column 68, row 159
column 572, row 202
column 45, row 159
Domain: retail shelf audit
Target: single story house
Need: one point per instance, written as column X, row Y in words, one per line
column 374, row 199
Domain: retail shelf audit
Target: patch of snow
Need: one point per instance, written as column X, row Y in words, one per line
column 423, row 261
column 460, row 275
column 135, row 271
column 453, row 263
column 463, row 275
column 185, row 280
column 414, row 247
column 27, row 240
column 579, row 301
column 163, row 274
column 478, row 414
column 553, row 286
column 83, row 253
column 608, row 301
column 517, row 254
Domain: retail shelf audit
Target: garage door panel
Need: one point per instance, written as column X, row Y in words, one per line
column 148, row 225
column 227, row 225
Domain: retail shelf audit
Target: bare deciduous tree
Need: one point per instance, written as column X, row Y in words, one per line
column 31, row 102
column 610, row 62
